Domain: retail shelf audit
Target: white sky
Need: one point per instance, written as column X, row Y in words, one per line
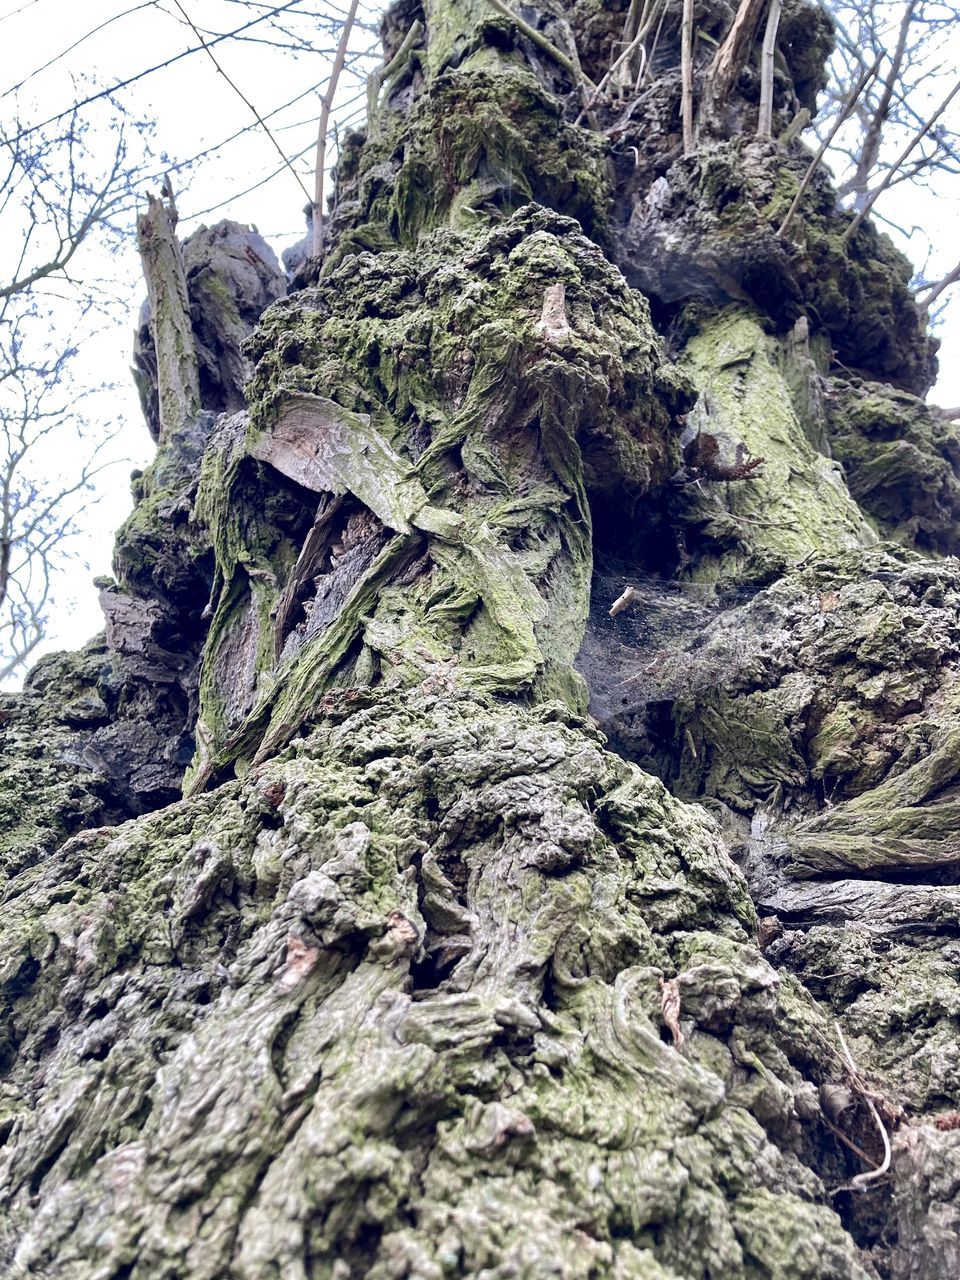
column 194, row 108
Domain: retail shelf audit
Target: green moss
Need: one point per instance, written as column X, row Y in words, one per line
column 476, row 146
column 900, row 460
column 252, row 935
column 489, row 143
column 716, row 237
column 860, row 291
column 500, row 433
column 47, row 790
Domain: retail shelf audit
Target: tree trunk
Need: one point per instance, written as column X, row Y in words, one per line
column 422, row 978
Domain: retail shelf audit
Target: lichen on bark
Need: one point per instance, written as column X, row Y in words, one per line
column 421, row 979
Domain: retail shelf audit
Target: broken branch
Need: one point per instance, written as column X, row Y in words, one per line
column 765, row 118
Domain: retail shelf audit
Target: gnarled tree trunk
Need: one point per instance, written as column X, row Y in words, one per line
column 433, row 972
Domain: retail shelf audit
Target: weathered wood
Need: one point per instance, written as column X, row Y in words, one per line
column 686, row 78
column 765, row 117
column 732, row 55
column 327, row 448
column 177, row 373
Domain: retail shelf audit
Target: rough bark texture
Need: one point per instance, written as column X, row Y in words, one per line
column 432, row 971
column 178, row 390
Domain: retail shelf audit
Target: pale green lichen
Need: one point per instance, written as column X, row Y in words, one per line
column 797, row 504
column 428, row 351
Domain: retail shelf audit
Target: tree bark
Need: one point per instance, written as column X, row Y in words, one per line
column 177, row 374
column 422, row 978
column 732, row 55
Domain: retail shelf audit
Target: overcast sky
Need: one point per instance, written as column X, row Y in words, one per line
column 194, row 110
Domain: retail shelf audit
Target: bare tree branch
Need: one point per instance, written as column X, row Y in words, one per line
column 929, row 295
column 849, row 107
column 178, row 381
column 765, row 118
column 243, row 97
column 686, row 77
column 902, row 158
column 326, row 108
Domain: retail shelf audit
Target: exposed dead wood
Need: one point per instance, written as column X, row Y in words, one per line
column 328, row 449
column 686, row 78
column 732, row 55
column 765, row 117
column 178, row 383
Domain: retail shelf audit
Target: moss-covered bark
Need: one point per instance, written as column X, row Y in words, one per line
column 421, row 979
column 392, row 1006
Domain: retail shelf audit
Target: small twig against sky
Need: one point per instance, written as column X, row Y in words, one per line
column 848, row 108
column 928, row 296
column 147, row 4
column 243, row 98
column 538, row 38
column 324, row 125
column 148, row 71
column 899, row 162
column 14, row 13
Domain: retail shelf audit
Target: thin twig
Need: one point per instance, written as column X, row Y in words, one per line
column 243, row 98
column 383, row 74
column 901, row 160
column 926, row 297
column 731, row 56
column 844, row 115
column 615, row 66
column 873, row 131
column 769, row 49
column 141, row 75
column 862, row 1179
column 586, row 95
column 847, row 1142
column 326, row 108
column 653, row 47
column 686, row 78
